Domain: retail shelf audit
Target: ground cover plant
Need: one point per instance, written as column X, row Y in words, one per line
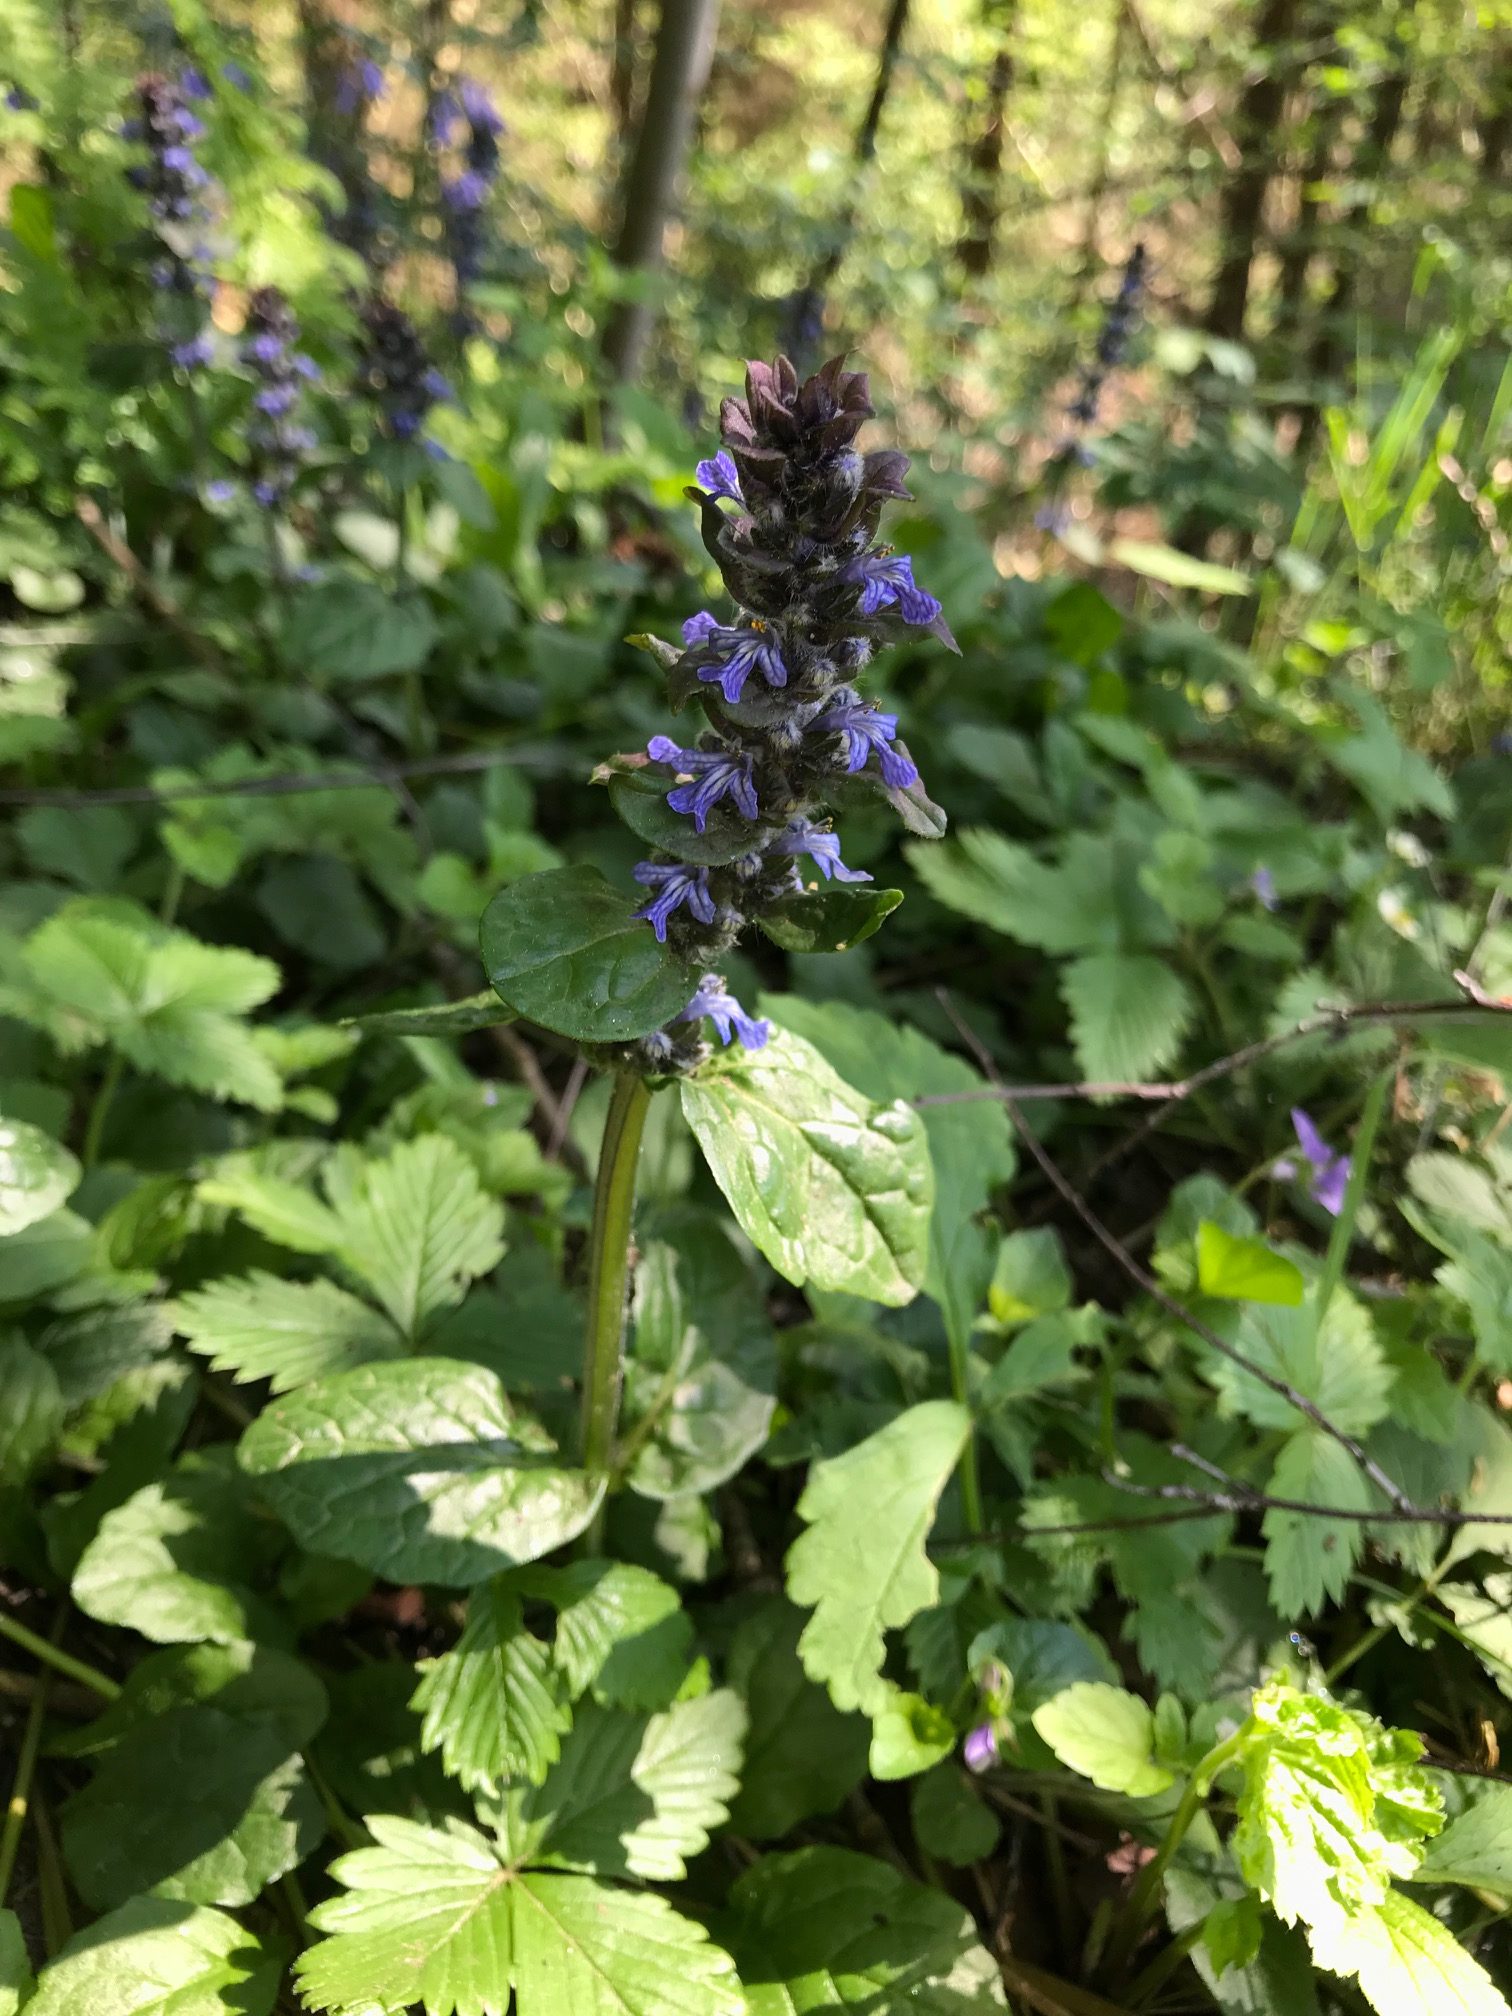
column 755, row 1013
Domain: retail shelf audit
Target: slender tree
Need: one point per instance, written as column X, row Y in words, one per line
column 1243, row 199
column 981, row 184
column 864, row 151
column 622, row 71
column 679, row 72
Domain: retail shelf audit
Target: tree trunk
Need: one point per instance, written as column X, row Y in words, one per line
column 864, row 152
column 981, row 185
column 679, row 71
column 1242, row 206
column 622, row 71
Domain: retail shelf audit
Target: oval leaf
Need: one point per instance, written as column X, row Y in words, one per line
column 830, row 920
column 419, row 1470
column 564, row 949
column 832, row 1187
column 36, row 1175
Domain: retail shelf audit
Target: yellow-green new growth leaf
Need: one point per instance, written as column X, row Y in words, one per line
column 1107, row 1735
column 833, row 1187
column 434, row 1917
column 1244, row 1270
column 861, row 1566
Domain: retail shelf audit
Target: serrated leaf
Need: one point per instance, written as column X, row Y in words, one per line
column 1105, row 1734
column 1089, row 902
column 633, row 1795
column 701, row 1374
column 180, row 1560
column 420, row 1470
column 157, row 1958
column 1308, row 1560
column 861, row 1566
column 36, row 1175
column 1408, row 1964
column 833, row 1188
column 1244, row 1270
column 433, row 1916
column 827, row 1929
column 493, row 1705
column 1339, row 1365
column 802, row 1756
column 622, row 1632
column 565, row 949
column 258, row 1326
column 1476, row 1848
column 416, row 1227
column 195, row 1805
column 1129, row 1012
column 349, row 630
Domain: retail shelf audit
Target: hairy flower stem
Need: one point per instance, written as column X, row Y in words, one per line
column 608, row 1273
column 1146, row 1892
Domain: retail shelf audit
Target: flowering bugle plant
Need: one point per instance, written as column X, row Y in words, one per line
column 738, row 817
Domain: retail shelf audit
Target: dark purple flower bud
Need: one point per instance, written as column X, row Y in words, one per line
column 726, row 1013
column 394, row 369
column 719, row 476
column 980, row 1750
column 888, row 579
column 675, row 884
column 714, row 774
column 1330, row 1168
column 865, row 730
column 823, row 849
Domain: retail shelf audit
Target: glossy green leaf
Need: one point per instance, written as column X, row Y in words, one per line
column 15, row 1967
column 829, row 919
column 36, row 1175
column 34, row 1411
column 861, row 1566
column 833, row 1188
column 565, row 949
column 909, row 1735
column 155, row 1957
column 420, row 1470
column 640, row 799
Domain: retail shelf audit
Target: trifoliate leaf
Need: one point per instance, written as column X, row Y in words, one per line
column 1476, row 1848
column 433, row 1916
column 493, row 1705
column 861, row 1566
column 633, row 1795
column 831, row 1187
column 1107, row 1735
column 36, row 1175
column 1244, row 1270
column 258, row 1326
column 158, row 1958
column 622, row 1633
column 826, row 1929
column 181, row 1559
column 416, row 1226
column 420, row 1470
column 196, row 1805
column 802, row 1756
column 1129, row 1012
column 701, row 1374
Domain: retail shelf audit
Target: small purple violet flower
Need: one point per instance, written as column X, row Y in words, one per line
column 726, row 1013
column 1330, row 1168
column 675, row 884
column 823, row 849
column 715, row 774
column 980, row 1750
column 742, row 652
column 718, row 475
column 888, row 579
column 865, row 730
column 1263, row 883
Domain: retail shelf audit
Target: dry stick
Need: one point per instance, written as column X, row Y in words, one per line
column 1125, row 1259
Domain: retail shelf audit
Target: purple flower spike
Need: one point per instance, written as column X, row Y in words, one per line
column 719, row 476
column 823, row 849
column 1263, row 884
column 675, row 884
column 888, row 579
column 714, row 773
column 980, row 1750
column 740, row 653
column 864, row 730
column 1330, row 1168
column 726, row 1013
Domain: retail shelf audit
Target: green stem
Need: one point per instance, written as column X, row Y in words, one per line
column 20, row 1799
column 59, row 1661
column 99, row 1113
column 1146, row 1892
column 609, row 1268
column 959, row 1339
column 1342, row 1236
